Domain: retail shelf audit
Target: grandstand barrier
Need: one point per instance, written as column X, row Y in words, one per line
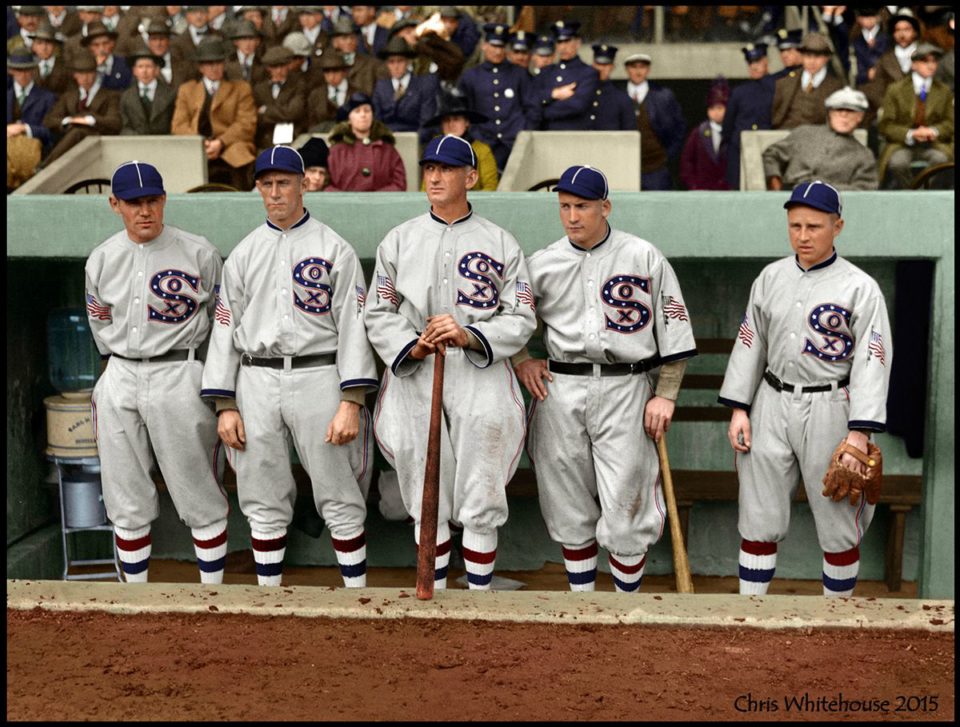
column 752, row 144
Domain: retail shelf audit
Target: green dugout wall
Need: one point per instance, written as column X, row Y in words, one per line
column 717, row 241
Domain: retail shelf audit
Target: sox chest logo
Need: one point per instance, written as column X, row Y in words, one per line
column 482, row 293
column 307, row 275
column 170, row 286
column 622, row 293
column 831, row 322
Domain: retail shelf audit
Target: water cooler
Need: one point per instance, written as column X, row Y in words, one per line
column 71, row 442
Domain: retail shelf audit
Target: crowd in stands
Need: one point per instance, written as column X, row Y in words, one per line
column 248, row 77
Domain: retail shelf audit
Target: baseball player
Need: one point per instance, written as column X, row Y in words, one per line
column 150, row 298
column 611, row 310
column 289, row 361
column 453, row 281
column 810, row 366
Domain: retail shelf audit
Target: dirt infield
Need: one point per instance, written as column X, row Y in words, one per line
column 214, row 666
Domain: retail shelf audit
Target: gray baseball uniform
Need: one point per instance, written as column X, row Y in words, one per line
column 150, row 306
column 617, row 303
column 475, row 271
column 824, row 328
column 288, row 337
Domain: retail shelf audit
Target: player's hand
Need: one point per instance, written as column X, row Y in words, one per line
column 345, row 424
column 230, row 429
column 739, row 431
column 531, row 373
column 858, row 440
column 657, row 416
column 424, row 348
column 444, row 329
column 562, row 93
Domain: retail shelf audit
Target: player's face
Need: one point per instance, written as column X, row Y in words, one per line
column 844, row 121
column 282, row 194
column 447, row 185
column 812, row 233
column 584, row 220
column 142, row 217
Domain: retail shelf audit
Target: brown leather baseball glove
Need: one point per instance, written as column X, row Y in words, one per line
column 841, row 482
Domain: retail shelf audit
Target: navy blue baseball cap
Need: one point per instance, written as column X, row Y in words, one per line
column 496, row 33
column 278, row 159
column 132, row 180
column 604, row 53
column 450, row 149
column 584, row 181
column 818, row 195
column 754, row 51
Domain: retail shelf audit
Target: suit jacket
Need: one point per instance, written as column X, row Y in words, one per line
column 365, row 72
column 380, row 37
column 666, row 118
column 868, row 57
column 184, row 69
column 135, row 117
column 120, row 75
column 700, row 166
column 787, row 90
column 888, row 71
column 290, row 106
column 233, row 71
column 233, row 117
column 274, row 34
column 411, row 112
column 71, row 24
column 321, row 110
column 105, row 109
column 899, row 106
column 184, row 42
column 36, row 106
column 59, row 80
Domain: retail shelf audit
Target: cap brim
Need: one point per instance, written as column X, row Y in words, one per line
column 816, row 205
column 139, row 192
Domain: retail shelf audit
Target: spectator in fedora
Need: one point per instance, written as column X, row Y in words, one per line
column 703, row 161
column 222, row 112
column 799, row 99
column 84, row 110
column 455, row 117
column 404, row 101
column 364, row 70
column 312, row 20
column 279, row 99
column 372, row 36
column 114, row 71
column 869, row 43
column 147, row 106
column 435, row 53
column 246, row 63
column 27, row 105
column 176, row 68
column 315, row 155
column 329, row 96
column 306, row 60
column 52, row 73
column 827, row 152
column 278, row 23
column 63, row 21
column 198, row 30
column 363, row 157
column 28, row 18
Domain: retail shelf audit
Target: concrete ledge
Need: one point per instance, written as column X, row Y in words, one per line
column 712, row 610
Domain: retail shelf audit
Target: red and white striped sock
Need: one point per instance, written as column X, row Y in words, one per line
column 479, row 556
column 134, row 548
column 442, row 562
column 352, row 557
column 580, row 562
column 268, row 551
column 758, row 562
column 840, row 572
column 210, row 545
column 627, row 571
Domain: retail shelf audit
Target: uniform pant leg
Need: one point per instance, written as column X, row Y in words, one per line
column 563, row 461
column 183, row 430
column 266, row 489
column 129, row 494
column 627, row 466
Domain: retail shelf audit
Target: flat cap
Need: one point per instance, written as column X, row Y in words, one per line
column 926, row 49
column 298, row 44
column 847, row 98
column 814, row 42
column 584, row 181
column 332, row 60
column 637, row 58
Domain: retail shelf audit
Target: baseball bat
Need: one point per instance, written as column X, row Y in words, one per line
column 430, row 503
column 681, row 566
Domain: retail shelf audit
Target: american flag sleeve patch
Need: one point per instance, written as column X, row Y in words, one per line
column 96, row 309
column 673, row 308
column 525, row 295
column 386, row 291
column 221, row 313
column 876, row 348
column 745, row 334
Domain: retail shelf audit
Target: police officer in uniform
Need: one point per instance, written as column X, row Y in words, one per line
column 612, row 109
column 749, row 107
column 567, row 88
column 788, row 43
column 502, row 92
column 518, row 49
column 544, row 54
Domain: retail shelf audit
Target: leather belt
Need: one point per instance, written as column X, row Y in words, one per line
column 177, row 354
column 781, row 386
column 296, row 362
column 616, row 369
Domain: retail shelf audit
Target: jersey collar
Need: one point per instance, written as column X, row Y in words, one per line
column 819, row 266
column 301, row 221
column 455, row 222
column 595, row 247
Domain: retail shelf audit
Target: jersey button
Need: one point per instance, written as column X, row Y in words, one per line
column 444, row 281
column 136, row 300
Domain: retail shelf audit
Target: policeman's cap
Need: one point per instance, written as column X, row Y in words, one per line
column 818, row 195
column 847, row 98
column 544, row 45
column 584, row 181
column 132, row 180
column 278, row 159
column 754, row 51
column 496, row 33
column 789, row 38
column 520, row 41
column 565, row 29
column 455, row 151
column 604, row 54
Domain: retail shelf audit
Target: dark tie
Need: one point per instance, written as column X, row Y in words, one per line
column 809, row 88
column 204, row 126
column 920, row 112
column 84, row 101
